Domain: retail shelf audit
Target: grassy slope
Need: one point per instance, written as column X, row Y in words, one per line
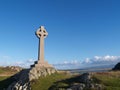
column 111, row 80
column 4, row 71
column 44, row 83
column 5, row 79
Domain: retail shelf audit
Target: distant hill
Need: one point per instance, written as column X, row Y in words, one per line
column 9, row 70
column 117, row 66
column 5, row 75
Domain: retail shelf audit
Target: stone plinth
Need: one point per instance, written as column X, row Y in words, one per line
column 41, row 64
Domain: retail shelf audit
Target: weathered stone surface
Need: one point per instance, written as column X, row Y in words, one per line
column 14, row 68
column 85, row 82
column 21, row 81
column 23, row 78
column 85, row 78
column 35, row 73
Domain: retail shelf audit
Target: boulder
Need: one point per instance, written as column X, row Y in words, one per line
column 85, row 83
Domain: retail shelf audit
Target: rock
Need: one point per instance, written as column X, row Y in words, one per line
column 15, row 68
column 98, row 87
column 21, row 81
column 23, row 78
column 68, row 89
column 35, row 73
column 85, row 83
column 85, row 78
column 117, row 66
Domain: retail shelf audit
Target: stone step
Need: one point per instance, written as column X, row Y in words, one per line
column 41, row 64
column 36, row 62
column 32, row 65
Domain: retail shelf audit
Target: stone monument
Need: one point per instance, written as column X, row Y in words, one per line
column 41, row 33
column 41, row 67
column 22, row 80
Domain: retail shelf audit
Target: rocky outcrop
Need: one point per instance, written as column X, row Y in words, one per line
column 35, row 73
column 85, row 83
column 117, row 66
column 14, row 68
column 22, row 79
column 82, row 86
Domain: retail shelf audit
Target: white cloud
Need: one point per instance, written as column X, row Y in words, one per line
column 100, row 60
column 67, row 64
column 18, row 63
column 89, row 62
column 25, row 63
column 30, row 60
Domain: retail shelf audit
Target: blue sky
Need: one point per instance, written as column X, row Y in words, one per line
column 78, row 29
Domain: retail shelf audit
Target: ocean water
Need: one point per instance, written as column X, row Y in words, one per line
column 89, row 70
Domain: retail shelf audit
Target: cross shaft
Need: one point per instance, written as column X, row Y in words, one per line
column 41, row 34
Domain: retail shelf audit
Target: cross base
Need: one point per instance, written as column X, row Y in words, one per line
column 40, row 63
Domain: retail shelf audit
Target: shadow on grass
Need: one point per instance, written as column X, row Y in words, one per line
column 9, row 80
column 65, row 83
column 6, row 82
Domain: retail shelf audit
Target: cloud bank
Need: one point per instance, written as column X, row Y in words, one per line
column 89, row 62
column 74, row 64
column 102, row 60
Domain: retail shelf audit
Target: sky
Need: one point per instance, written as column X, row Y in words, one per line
column 79, row 31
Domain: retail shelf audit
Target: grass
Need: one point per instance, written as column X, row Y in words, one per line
column 111, row 80
column 5, row 71
column 5, row 81
column 5, row 77
column 44, row 83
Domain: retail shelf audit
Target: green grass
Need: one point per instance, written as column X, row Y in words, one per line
column 5, row 80
column 7, row 71
column 44, row 83
column 2, row 70
column 111, row 80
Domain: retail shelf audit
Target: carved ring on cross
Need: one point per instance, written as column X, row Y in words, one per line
column 41, row 32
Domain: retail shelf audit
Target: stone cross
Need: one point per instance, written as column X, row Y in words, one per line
column 41, row 34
